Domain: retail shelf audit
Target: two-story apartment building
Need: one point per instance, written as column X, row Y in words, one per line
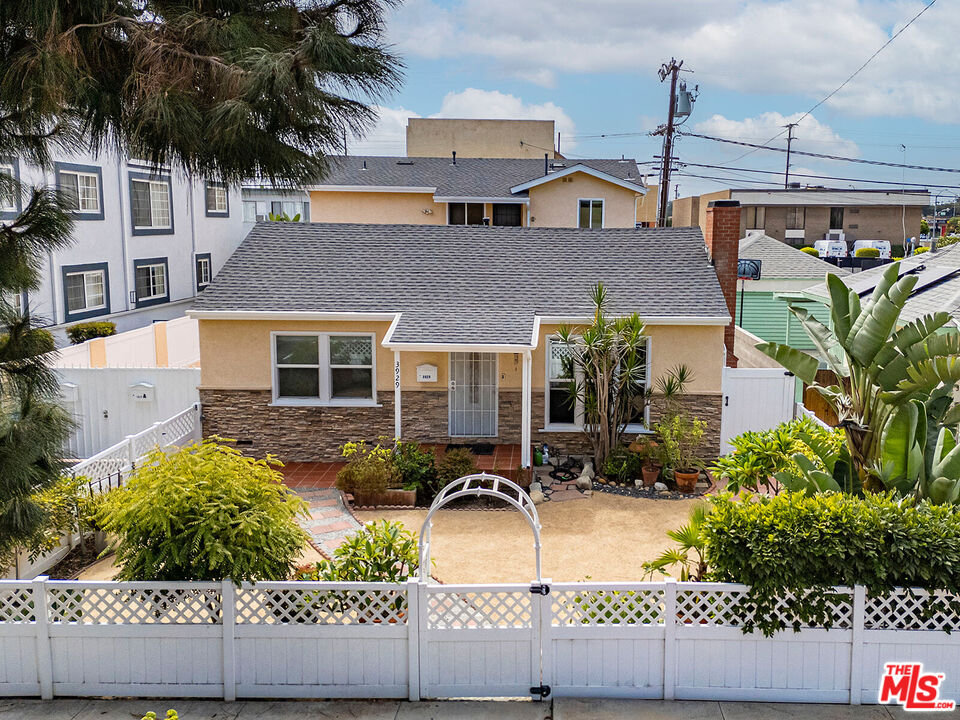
column 801, row 216
column 146, row 241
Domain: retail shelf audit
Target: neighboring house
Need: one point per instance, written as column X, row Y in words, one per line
column 473, row 191
column 801, row 216
column 145, row 241
column 785, row 272
column 937, row 288
column 446, row 334
column 260, row 200
column 440, row 137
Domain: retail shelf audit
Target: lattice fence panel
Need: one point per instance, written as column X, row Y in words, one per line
column 16, row 605
column 607, row 607
column 134, row 606
column 178, row 427
column 321, row 607
column 101, row 467
column 732, row 608
column 484, row 609
column 906, row 609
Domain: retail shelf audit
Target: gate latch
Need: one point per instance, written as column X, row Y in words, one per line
column 539, row 589
column 541, row 691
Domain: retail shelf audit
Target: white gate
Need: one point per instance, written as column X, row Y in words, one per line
column 755, row 399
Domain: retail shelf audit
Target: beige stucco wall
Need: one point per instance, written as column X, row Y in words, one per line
column 686, row 211
column 439, row 137
column 647, row 206
column 235, row 355
column 376, row 207
column 705, row 203
column 555, row 204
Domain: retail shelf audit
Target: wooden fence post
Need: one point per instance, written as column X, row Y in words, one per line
column 413, row 639
column 857, row 622
column 669, row 638
column 228, row 617
column 42, row 625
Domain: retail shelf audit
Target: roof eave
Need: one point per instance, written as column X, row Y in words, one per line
column 599, row 174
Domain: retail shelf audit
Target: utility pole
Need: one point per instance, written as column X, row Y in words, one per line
column 671, row 69
column 786, row 172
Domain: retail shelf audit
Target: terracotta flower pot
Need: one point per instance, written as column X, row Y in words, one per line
column 686, row 481
column 651, row 473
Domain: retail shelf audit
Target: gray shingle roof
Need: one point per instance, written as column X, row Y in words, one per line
column 470, row 177
column 461, row 284
column 938, row 287
column 781, row 261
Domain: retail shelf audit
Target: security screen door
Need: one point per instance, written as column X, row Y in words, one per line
column 473, row 394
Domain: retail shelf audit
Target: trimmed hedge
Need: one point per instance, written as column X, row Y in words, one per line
column 810, row 250
column 803, row 545
column 867, row 252
column 81, row 332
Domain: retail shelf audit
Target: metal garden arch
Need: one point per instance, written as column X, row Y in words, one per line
column 475, row 485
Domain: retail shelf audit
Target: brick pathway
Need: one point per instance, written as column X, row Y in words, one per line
column 330, row 522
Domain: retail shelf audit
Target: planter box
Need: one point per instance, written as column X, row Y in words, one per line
column 404, row 498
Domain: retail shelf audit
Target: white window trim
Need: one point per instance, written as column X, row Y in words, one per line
column 246, row 205
column 166, row 281
column 166, row 188
column 323, row 368
column 12, row 207
column 201, row 261
column 603, row 212
column 578, row 411
column 96, row 182
column 103, row 293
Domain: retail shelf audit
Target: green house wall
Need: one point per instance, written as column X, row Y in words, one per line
column 770, row 319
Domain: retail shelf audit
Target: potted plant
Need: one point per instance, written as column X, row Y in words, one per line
column 648, row 451
column 370, row 476
column 680, row 436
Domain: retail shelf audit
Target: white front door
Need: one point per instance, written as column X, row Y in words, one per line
column 473, row 394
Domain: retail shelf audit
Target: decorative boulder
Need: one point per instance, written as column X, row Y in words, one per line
column 538, row 497
column 584, row 482
column 588, row 470
column 535, row 486
column 659, row 486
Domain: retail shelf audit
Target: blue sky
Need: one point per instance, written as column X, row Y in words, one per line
column 592, row 66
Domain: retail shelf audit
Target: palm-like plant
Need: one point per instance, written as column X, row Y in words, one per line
column 689, row 555
column 609, row 363
column 881, row 365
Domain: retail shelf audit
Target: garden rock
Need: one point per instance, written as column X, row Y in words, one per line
column 588, row 470
column 659, row 486
column 538, row 497
column 535, row 487
column 584, row 482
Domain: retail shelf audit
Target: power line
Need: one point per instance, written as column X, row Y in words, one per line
column 869, row 60
column 824, row 156
column 820, row 177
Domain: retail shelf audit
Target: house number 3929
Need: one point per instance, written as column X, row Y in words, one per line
column 396, row 375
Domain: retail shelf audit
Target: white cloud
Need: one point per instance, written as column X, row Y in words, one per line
column 811, row 133
column 806, row 47
column 388, row 136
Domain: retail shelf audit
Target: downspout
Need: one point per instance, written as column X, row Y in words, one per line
column 193, row 231
column 123, row 236
column 52, row 265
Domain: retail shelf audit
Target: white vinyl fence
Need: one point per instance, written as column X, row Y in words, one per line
column 110, row 403
column 416, row 640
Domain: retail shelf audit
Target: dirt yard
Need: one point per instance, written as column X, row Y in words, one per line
column 602, row 537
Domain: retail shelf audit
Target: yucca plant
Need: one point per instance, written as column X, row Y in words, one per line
column 881, row 366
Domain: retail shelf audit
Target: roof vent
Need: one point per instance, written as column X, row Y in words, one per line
column 404, row 162
column 555, row 165
column 454, row 157
column 622, row 159
column 364, row 165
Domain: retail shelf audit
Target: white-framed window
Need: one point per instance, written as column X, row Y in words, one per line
column 81, row 190
column 8, row 202
column 566, row 413
column 85, row 291
column 590, row 213
column 203, row 270
column 150, row 204
column 15, row 301
column 250, row 211
column 324, row 368
column 216, row 195
column 151, row 281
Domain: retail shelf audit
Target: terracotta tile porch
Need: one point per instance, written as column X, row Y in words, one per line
column 299, row 475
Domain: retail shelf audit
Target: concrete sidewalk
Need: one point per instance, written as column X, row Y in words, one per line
column 560, row 709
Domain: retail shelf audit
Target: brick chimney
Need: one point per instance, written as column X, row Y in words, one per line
column 722, row 235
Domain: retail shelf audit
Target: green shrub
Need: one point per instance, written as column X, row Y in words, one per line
column 381, row 551
column 947, row 240
column 205, row 512
column 758, row 455
column 368, row 469
column 800, row 545
column 622, row 465
column 810, row 250
column 171, row 715
column 417, row 470
column 867, row 252
column 920, row 250
column 81, row 332
column 454, row 464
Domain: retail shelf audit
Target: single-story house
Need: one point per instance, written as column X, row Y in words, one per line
column 762, row 305
column 315, row 334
